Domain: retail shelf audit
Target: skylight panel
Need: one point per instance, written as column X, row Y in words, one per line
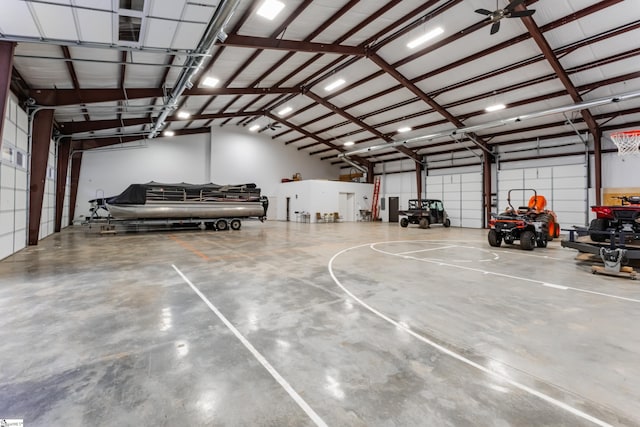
column 270, row 9
column 425, row 38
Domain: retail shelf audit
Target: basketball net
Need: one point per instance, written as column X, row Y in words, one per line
column 627, row 142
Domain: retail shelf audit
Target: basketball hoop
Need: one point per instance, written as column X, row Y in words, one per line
column 627, row 142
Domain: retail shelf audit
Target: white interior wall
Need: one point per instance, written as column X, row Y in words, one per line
column 461, row 194
column 67, row 199
column 397, row 179
column 13, row 180
column 226, row 156
column 108, row 172
column 620, row 171
column 322, row 197
column 563, row 186
column 459, row 188
column 239, row 156
column 48, row 216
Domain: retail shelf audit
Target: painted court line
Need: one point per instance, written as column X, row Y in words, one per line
column 509, row 276
column 263, row 361
column 426, row 250
column 188, row 247
column 459, row 357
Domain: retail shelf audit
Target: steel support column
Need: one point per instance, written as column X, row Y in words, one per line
column 597, row 165
column 76, row 162
column 64, row 147
column 370, row 172
column 6, row 64
column 40, row 140
column 486, row 184
column 419, row 179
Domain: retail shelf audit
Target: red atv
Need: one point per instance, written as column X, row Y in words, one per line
column 615, row 220
column 533, row 225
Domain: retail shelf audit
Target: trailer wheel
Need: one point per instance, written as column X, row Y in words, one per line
column 494, row 238
column 598, row 225
column 447, row 223
column 235, row 224
column 527, row 240
column 222, row 225
column 404, row 222
column 424, row 223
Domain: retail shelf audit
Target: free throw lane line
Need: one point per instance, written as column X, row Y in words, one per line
column 294, row 395
column 455, row 355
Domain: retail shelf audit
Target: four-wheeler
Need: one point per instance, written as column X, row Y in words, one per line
column 614, row 220
column 424, row 212
column 532, row 225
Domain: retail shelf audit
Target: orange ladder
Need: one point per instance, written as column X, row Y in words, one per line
column 376, row 196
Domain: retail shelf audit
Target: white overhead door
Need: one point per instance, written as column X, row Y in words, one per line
column 461, row 195
column 564, row 187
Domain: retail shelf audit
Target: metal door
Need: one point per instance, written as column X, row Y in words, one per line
column 394, row 207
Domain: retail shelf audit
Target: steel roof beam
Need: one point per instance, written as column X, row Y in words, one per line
column 95, row 142
column 69, row 128
column 363, row 162
column 292, row 45
column 62, row 97
column 74, row 78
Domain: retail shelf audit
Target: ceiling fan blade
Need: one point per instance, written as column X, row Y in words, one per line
column 521, row 13
column 513, row 5
column 495, row 27
column 483, row 11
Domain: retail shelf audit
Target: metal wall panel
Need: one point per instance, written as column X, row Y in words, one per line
column 564, row 187
column 462, row 197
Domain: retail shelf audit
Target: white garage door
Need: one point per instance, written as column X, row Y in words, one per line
column 563, row 186
column 461, row 195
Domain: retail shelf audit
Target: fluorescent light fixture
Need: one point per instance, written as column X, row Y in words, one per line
column 168, row 133
column 425, row 37
column 334, row 85
column 183, row 115
column 404, row 129
column 284, row 111
column 348, row 143
column 270, row 9
column 254, row 128
column 210, row 82
column 495, row 108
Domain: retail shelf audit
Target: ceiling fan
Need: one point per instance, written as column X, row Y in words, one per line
column 507, row 12
column 274, row 126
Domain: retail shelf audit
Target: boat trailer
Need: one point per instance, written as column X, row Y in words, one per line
column 615, row 254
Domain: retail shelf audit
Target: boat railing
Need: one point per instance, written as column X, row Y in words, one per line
column 166, row 195
column 156, row 195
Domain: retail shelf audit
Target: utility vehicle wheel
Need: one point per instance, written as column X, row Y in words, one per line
column 235, row 224
column 222, row 225
column 494, row 238
column 527, row 240
column 542, row 241
column 424, row 223
column 598, row 224
column 549, row 225
column 447, row 223
column 404, row 222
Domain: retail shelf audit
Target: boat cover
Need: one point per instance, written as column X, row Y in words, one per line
column 139, row 194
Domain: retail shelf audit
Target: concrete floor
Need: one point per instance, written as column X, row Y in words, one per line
column 290, row 324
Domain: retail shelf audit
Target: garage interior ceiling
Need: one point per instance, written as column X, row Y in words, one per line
column 109, row 67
